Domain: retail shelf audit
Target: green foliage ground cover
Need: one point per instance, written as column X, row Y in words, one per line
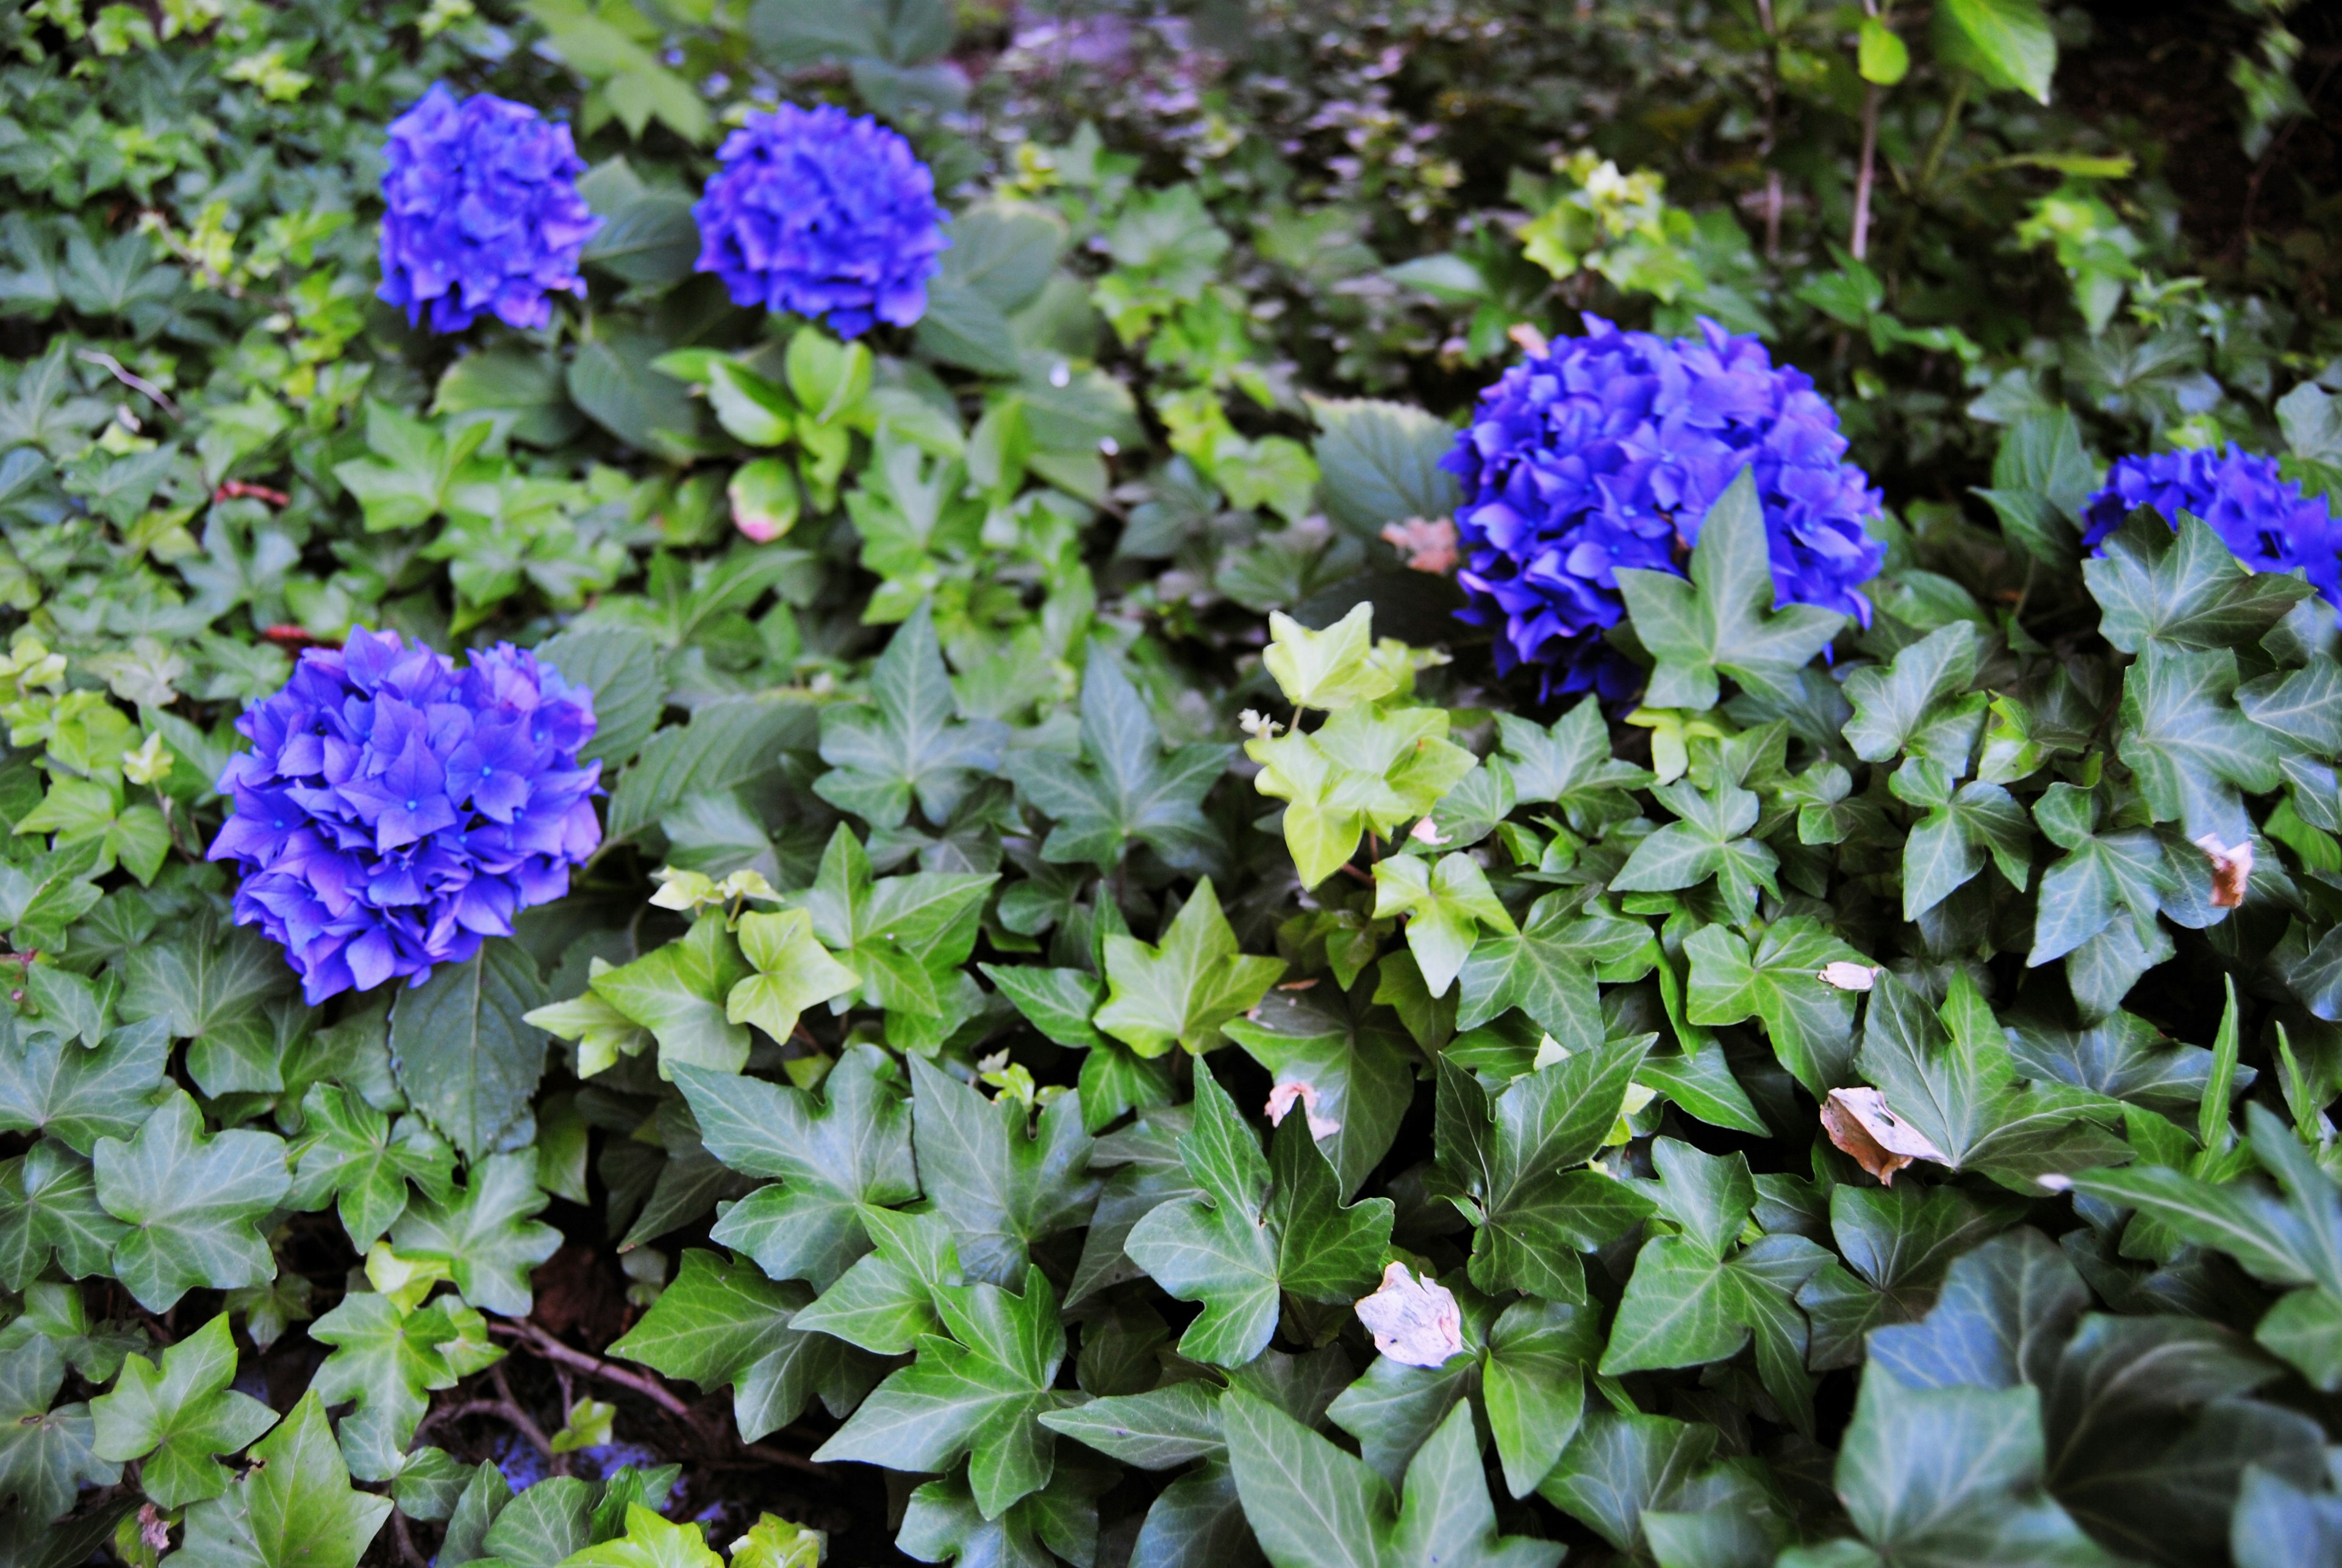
column 1075, row 780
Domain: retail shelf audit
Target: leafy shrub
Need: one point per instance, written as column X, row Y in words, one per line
column 1092, row 1008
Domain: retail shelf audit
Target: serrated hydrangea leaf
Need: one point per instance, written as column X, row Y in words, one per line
column 354, row 1156
column 2190, row 747
column 679, row 993
column 1948, row 1478
column 295, row 1508
column 826, row 1156
column 1265, row 1227
column 1547, row 968
column 1569, row 764
column 794, row 972
column 1722, row 620
column 1127, row 784
column 1708, row 840
column 1312, row 1505
column 46, row 1454
column 178, row 1416
column 1359, row 1067
column 190, row 1205
column 722, row 1322
column 910, row 743
column 79, row 1093
column 1180, row 992
column 976, row 1395
column 1891, row 702
column 48, row 1202
column 1513, row 1159
column 1364, row 770
column 2182, row 587
column 906, row 936
column 1000, row 1186
column 1446, row 903
column 1809, row 1022
column 486, row 1231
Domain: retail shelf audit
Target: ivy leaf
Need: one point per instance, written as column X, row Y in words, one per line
column 1445, row 905
column 1000, row 1188
column 389, row 1359
column 1182, row 991
column 1890, row 705
column 1364, row 770
column 2006, row 1308
column 1361, row 1070
column 48, row 1202
column 2190, row 747
column 1570, row 765
column 1948, row 846
column 1264, row 1225
column 1721, row 620
column 1699, row 1295
column 906, row 936
column 827, row 1158
column 2183, row 588
column 56, row 1313
column 79, row 1093
column 681, row 993
column 1511, row 1165
column 794, row 972
column 650, row 1542
column 886, row 1301
column 1339, row 668
column 1809, row 1022
column 45, row 1455
column 295, row 1508
column 1944, row 1478
column 942, row 1523
column 1547, row 970
column 1708, row 840
column 178, row 1416
column 1314, row 1506
column 910, row 743
column 600, row 1032
column 722, row 1322
column 1896, row 1242
column 190, row 1203
column 976, row 1395
column 350, row 1155
column 1127, row 785
column 485, row 1233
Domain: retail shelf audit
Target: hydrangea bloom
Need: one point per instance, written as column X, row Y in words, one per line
column 2263, row 518
column 483, row 212
column 394, row 810
column 817, row 212
column 1607, row 451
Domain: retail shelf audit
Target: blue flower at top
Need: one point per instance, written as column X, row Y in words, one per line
column 2259, row 514
column 817, row 212
column 484, row 214
column 1607, row 451
column 393, row 811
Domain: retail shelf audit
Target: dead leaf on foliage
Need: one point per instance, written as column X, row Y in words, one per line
column 1425, row 544
column 1415, row 1322
column 1281, row 1100
column 2231, row 869
column 1847, row 976
column 1882, row 1142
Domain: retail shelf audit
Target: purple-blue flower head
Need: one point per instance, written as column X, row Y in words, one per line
column 484, row 214
column 393, row 810
column 2258, row 514
column 819, row 213
column 1607, row 451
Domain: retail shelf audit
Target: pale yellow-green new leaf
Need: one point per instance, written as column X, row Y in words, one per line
column 776, row 1543
column 1365, row 768
column 1342, row 666
column 600, row 1032
column 650, row 1542
column 1181, row 992
column 794, row 972
column 1445, row 904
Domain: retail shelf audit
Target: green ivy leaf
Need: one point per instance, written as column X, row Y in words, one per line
column 46, row 1454
column 297, row 1509
column 681, row 993
column 1359, row 1067
column 48, row 1204
column 1570, row 765
column 794, row 972
column 485, row 1233
column 1891, row 705
column 911, row 743
column 906, row 936
column 1264, row 1225
column 1128, row 785
column 79, row 1093
column 1708, row 840
column 1000, row 1188
column 2191, row 747
column 178, row 1416
column 354, row 1156
column 390, row 1359
column 1809, row 1022
column 1364, row 770
column 2182, row 587
column 1547, row 970
column 1721, row 620
column 190, row 1205
column 1182, row 991
column 1445, row 904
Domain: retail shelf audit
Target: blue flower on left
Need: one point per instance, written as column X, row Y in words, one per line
column 393, row 811
column 484, row 216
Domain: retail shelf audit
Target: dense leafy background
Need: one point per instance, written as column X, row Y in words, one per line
column 901, row 1170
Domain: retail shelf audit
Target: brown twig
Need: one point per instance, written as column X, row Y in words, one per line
column 406, row 1552
column 1866, row 175
column 526, row 1424
column 554, row 1350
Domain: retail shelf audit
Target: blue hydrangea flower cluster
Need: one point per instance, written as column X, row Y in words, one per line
column 1607, row 451
column 483, row 213
column 393, row 810
column 2257, row 514
column 820, row 212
